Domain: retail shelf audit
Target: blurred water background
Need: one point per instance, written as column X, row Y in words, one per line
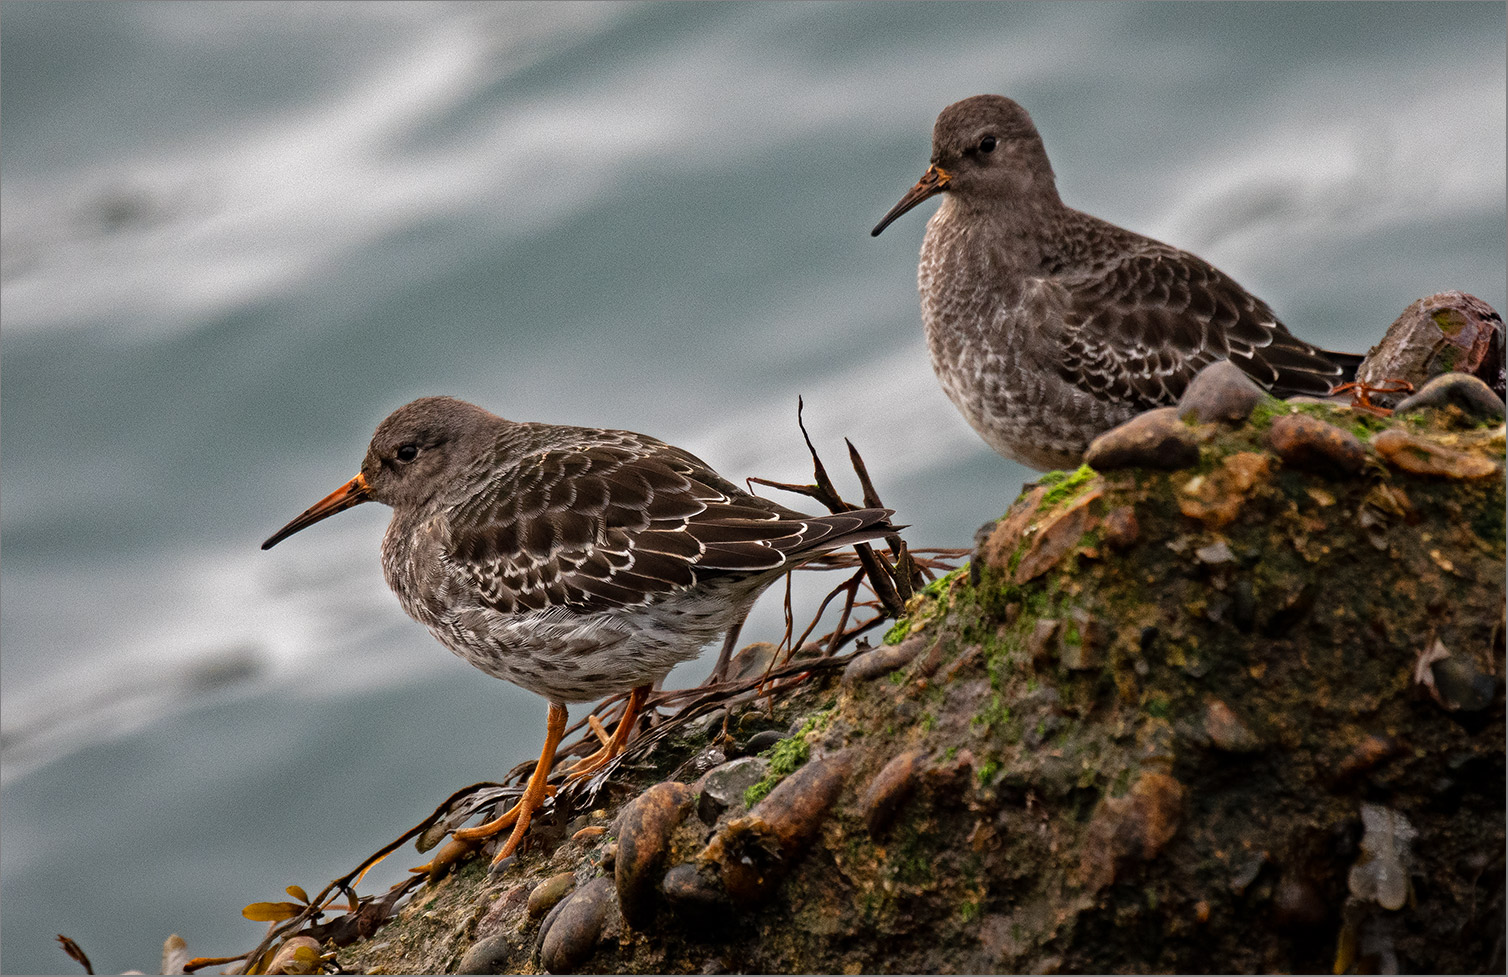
column 235, row 236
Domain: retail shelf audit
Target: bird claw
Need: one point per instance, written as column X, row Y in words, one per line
column 1361, row 398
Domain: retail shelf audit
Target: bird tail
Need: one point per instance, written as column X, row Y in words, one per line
column 1348, row 363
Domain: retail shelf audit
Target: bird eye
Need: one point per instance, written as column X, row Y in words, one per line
column 407, row 452
column 987, row 144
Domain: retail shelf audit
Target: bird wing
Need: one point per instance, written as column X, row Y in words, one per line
column 615, row 525
column 1137, row 327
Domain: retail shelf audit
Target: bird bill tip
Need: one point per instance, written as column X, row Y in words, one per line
column 352, row 493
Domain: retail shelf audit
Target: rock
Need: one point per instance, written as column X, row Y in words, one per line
column 883, row 660
column 570, row 937
column 1442, row 333
column 889, row 789
column 1297, row 903
column 1220, row 392
column 545, row 896
column 1121, row 529
column 1473, row 397
column 1413, row 454
column 1313, row 445
column 487, row 956
column 1058, row 534
column 644, row 830
column 1136, row 825
column 1381, row 873
column 1453, row 681
column 1215, row 553
column 1039, row 644
column 761, row 741
column 723, row 788
column 752, row 854
column 1227, row 731
column 1216, row 499
column 1156, row 439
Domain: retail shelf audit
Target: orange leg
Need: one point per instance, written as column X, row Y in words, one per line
column 611, row 748
column 534, row 793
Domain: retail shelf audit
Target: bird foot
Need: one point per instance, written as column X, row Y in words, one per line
column 1361, row 394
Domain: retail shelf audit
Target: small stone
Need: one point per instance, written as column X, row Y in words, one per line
column 1413, row 454
column 1039, row 644
column 571, row 937
column 1156, row 439
column 723, row 787
column 1313, row 445
column 588, row 834
column 883, row 660
column 1380, row 874
column 644, row 830
column 1121, row 529
column 761, row 741
column 1227, row 731
column 1474, row 398
column 1220, row 392
column 544, row 896
column 695, row 891
column 1135, row 826
column 1453, row 681
column 751, row 854
column 1058, row 535
column 1298, row 904
column 889, row 789
column 487, row 956
column 1215, row 553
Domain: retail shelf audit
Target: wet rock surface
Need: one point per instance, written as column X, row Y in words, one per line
column 1246, row 715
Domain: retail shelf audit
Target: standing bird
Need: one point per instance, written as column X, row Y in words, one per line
column 574, row 562
column 1048, row 326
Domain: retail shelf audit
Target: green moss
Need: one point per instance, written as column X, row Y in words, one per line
column 1068, row 487
column 929, row 722
column 968, row 910
column 898, row 631
column 987, row 771
column 936, row 588
column 785, row 757
column 1158, row 707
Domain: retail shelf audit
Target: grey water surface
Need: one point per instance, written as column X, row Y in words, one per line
column 236, row 235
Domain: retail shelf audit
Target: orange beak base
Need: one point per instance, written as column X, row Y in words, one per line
column 352, row 493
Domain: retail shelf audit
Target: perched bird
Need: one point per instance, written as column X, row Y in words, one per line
column 574, row 562
column 1048, row 326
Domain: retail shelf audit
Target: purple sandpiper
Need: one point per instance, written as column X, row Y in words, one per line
column 1048, row 326
column 574, row 562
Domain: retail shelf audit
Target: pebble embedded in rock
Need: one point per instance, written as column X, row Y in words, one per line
column 1156, row 439
column 1474, row 398
column 1227, row 731
column 883, row 660
column 543, row 897
column 723, row 787
column 1415, row 455
column 1314, row 445
column 644, row 830
column 1121, row 528
column 487, row 956
column 751, row 854
column 1220, row 392
column 1460, row 687
column 1381, row 873
column 761, row 741
column 571, row 936
column 889, row 789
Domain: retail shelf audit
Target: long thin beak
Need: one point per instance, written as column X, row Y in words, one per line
column 352, row 493
column 933, row 182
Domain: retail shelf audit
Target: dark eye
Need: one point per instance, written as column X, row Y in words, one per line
column 407, row 452
column 987, row 144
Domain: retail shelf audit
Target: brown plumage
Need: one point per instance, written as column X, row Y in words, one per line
column 574, row 562
column 1048, row 326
